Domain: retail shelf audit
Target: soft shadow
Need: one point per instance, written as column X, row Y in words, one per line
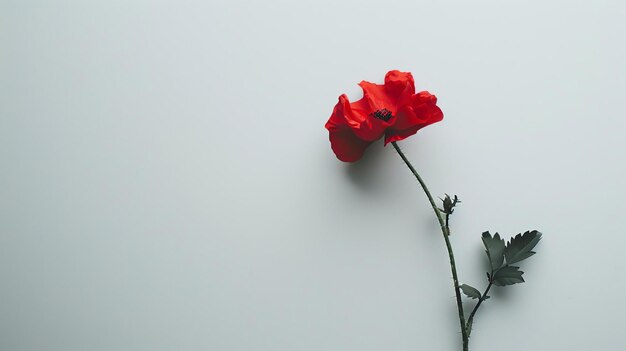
column 365, row 172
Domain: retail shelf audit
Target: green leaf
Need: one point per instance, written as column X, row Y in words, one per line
column 470, row 291
column 508, row 275
column 520, row 246
column 495, row 249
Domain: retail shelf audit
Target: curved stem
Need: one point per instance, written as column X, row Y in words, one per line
column 446, row 232
column 470, row 320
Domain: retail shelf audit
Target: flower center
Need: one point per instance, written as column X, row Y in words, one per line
column 383, row 114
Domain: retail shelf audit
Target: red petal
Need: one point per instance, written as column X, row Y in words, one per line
column 356, row 117
column 352, row 127
column 337, row 119
column 400, row 85
column 422, row 112
column 347, row 146
column 425, row 107
column 397, row 90
column 377, row 97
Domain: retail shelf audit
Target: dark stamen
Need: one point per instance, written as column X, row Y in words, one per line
column 383, row 114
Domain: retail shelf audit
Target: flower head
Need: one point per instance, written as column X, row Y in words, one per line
column 392, row 110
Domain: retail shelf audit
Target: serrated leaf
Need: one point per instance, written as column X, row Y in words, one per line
column 508, row 275
column 495, row 249
column 520, row 246
column 470, row 291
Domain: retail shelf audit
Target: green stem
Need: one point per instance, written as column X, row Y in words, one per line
column 470, row 320
column 446, row 232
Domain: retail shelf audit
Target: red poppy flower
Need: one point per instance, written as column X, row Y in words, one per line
column 392, row 109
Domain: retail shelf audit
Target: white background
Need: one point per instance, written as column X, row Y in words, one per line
column 167, row 184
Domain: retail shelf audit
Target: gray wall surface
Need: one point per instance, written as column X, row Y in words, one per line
column 166, row 181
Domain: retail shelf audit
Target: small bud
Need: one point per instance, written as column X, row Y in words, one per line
column 449, row 204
